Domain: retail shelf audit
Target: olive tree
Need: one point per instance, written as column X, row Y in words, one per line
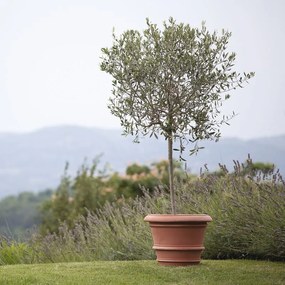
column 171, row 82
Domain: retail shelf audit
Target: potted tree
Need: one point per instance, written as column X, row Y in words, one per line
column 172, row 82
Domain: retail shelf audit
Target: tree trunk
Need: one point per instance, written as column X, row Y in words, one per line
column 171, row 184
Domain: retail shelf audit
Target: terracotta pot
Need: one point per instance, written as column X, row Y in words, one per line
column 178, row 239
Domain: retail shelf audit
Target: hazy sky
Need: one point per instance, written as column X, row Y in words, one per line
column 50, row 50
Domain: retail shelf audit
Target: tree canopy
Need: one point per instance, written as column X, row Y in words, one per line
column 171, row 81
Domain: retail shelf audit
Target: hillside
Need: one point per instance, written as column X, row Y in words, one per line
column 35, row 161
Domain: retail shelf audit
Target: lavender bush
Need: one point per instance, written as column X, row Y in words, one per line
column 248, row 212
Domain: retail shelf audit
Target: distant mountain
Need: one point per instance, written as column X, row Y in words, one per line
column 35, row 161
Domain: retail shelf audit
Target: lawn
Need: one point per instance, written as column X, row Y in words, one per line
column 145, row 272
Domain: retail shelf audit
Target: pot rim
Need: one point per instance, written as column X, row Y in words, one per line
column 177, row 218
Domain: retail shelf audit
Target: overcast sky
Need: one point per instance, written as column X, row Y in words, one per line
column 50, row 54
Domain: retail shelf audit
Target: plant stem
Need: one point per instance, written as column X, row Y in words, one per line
column 171, row 184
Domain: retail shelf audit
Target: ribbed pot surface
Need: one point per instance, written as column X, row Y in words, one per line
column 178, row 239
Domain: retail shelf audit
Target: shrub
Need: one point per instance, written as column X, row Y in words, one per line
column 14, row 253
column 248, row 216
column 91, row 188
column 248, row 222
column 137, row 169
column 116, row 231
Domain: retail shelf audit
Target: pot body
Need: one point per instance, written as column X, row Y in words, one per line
column 178, row 239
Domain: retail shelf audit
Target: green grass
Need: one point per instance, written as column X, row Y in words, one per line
column 145, row 272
